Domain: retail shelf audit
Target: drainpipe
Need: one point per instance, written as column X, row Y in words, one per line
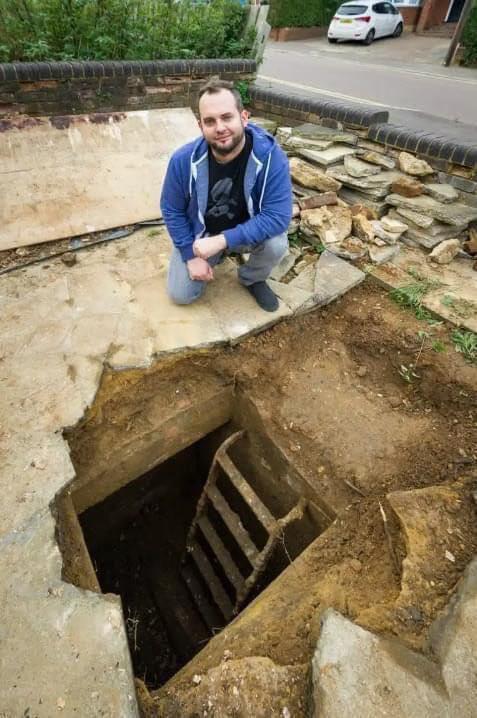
column 454, row 44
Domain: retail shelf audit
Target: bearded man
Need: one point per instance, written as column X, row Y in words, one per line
column 227, row 192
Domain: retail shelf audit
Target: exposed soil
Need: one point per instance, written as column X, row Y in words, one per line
column 333, row 393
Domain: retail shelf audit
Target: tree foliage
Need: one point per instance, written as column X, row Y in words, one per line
column 469, row 38
column 121, row 30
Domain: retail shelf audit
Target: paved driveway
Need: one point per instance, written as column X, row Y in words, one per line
column 405, row 74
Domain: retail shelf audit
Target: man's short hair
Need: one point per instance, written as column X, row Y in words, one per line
column 215, row 85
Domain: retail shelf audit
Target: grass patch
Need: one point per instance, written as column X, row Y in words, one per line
column 410, row 296
column 465, row 342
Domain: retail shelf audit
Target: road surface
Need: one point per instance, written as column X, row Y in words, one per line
column 404, row 74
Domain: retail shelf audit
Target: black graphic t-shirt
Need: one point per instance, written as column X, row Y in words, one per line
column 226, row 206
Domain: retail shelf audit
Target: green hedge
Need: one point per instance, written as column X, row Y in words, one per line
column 121, row 30
column 469, row 39
column 301, row 13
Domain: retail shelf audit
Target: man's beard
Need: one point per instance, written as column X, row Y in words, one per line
column 221, row 150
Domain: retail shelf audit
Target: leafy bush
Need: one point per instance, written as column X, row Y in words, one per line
column 121, row 30
column 469, row 38
column 301, row 13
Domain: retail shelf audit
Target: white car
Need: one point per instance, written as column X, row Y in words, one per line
column 365, row 21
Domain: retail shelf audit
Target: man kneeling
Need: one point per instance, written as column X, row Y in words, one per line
column 228, row 191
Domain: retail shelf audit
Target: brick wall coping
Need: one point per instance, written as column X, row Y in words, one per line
column 360, row 115
column 423, row 142
column 31, row 71
column 438, row 147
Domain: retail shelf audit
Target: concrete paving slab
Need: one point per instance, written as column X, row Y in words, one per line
column 453, row 641
column 454, row 299
column 67, row 648
column 296, row 299
column 87, row 173
column 236, row 311
column 376, row 676
column 59, row 327
column 306, row 279
column 334, row 277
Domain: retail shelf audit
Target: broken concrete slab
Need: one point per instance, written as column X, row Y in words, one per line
column 453, row 641
column 429, row 240
column 412, row 165
column 334, row 277
column 285, row 264
column 320, row 132
column 296, row 298
column 325, row 158
column 88, row 172
column 306, row 279
column 329, row 224
column 445, row 252
column 266, row 124
column 350, row 248
column 455, row 214
column 376, row 158
column 380, row 255
column 441, row 192
column 376, row 185
column 357, row 168
column 455, row 281
column 352, row 196
column 377, row 676
column 81, row 632
column 420, row 220
column 295, row 142
column 236, row 311
column 305, row 174
column 318, row 200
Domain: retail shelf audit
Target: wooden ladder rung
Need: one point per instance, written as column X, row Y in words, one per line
column 247, row 493
column 212, row 581
column 229, row 566
column 234, row 525
column 211, row 617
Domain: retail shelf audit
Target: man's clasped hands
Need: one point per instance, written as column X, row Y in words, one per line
column 204, row 248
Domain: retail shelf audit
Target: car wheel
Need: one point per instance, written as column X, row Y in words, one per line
column 332, row 40
column 398, row 31
column 369, row 37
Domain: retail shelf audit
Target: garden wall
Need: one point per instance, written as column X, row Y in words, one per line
column 49, row 88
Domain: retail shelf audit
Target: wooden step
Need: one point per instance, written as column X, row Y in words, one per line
column 223, row 556
column 234, row 524
column 247, row 493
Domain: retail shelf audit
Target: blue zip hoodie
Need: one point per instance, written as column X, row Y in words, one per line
column 267, row 189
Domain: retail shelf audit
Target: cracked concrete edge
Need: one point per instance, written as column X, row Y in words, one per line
column 380, row 676
column 43, row 616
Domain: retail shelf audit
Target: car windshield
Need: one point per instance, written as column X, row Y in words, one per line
column 352, row 9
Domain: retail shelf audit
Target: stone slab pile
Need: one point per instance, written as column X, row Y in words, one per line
column 361, row 203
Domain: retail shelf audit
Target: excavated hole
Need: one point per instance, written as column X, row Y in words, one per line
column 133, row 542
column 328, row 417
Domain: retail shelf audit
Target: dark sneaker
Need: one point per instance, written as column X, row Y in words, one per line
column 264, row 296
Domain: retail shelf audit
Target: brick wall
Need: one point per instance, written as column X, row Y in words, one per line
column 52, row 88
column 447, row 155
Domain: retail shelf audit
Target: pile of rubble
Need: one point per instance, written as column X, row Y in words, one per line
column 362, row 204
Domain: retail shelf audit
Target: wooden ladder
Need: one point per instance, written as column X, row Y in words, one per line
column 258, row 559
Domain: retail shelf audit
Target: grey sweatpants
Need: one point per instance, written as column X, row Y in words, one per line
column 263, row 258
